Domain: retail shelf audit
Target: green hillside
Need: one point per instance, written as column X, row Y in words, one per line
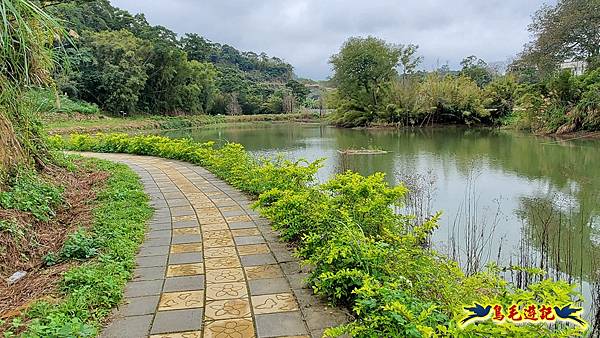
column 124, row 64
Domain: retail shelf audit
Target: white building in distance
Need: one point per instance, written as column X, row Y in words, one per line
column 576, row 67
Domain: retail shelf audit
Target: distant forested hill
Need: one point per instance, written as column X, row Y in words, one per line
column 122, row 63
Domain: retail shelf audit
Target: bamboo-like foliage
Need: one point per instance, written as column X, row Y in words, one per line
column 27, row 37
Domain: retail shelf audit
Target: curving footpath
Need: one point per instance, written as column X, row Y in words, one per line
column 210, row 266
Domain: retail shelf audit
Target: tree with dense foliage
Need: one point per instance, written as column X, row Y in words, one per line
column 499, row 96
column 171, row 70
column 363, row 67
column 553, row 101
column 569, row 30
column 298, row 90
column 116, row 72
column 477, row 70
column 370, row 90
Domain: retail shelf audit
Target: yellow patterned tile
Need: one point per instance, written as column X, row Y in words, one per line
column 184, row 218
column 225, row 251
column 227, row 309
column 225, row 275
column 199, row 195
column 245, row 232
column 222, row 263
column 189, row 247
column 281, row 302
column 217, row 242
column 181, row 300
column 215, row 193
column 253, row 249
column 210, row 220
column 263, row 271
column 230, row 328
column 226, row 291
column 187, row 231
column 211, row 215
column 242, row 218
column 217, row 234
column 207, row 210
column 201, row 204
column 189, row 334
column 215, row 226
column 178, row 270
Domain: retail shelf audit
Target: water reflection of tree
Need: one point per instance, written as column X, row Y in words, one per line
column 562, row 235
column 561, row 238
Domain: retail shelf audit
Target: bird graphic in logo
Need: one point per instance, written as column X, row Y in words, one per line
column 478, row 311
column 569, row 313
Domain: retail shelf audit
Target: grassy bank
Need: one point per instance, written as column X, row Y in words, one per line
column 98, row 259
column 80, row 123
column 346, row 229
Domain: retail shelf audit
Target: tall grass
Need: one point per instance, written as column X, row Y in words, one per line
column 27, row 35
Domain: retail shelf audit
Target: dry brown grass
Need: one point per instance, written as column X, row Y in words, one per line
column 26, row 252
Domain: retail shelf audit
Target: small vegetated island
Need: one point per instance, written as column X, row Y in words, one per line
column 70, row 227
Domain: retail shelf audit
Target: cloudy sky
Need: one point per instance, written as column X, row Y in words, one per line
column 306, row 33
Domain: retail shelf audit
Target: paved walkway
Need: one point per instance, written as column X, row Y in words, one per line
column 210, row 266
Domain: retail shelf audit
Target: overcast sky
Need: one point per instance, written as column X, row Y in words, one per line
column 306, row 33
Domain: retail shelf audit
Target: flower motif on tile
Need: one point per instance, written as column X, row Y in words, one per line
column 183, row 248
column 234, row 308
column 186, row 231
column 222, row 262
column 253, row 249
column 181, row 300
column 263, row 271
column 216, row 234
column 245, row 232
column 217, row 242
column 229, row 290
column 225, row 251
column 226, row 291
column 178, row 270
column 281, row 302
column 224, row 275
column 235, row 328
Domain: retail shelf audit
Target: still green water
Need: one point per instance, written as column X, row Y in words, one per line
column 505, row 196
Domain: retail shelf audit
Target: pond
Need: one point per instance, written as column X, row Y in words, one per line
column 509, row 197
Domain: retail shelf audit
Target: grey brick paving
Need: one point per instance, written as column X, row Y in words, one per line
column 190, row 244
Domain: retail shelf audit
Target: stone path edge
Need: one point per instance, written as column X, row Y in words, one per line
column 202, row 229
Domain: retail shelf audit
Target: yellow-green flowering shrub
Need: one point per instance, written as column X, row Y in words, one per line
column 365, row 256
